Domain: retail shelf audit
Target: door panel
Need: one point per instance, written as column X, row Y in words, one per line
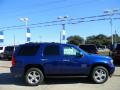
column 52, row 65
column 52, row 59
column 71, row 63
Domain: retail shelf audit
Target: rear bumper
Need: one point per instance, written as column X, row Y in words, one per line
column 17, row 72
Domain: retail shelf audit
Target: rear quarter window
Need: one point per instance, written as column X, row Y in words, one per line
column 28, row 50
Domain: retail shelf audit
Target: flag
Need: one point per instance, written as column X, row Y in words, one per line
column 1, row 36
column 28, row 34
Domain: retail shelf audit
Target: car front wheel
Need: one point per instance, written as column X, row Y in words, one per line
column 34, row 76
column 100, row 74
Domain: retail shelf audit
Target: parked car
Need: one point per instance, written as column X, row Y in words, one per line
column 101, row 48
column 90, row 48
column 2, row 48
column 37, row 61
column 116, row 53
column 8, row 51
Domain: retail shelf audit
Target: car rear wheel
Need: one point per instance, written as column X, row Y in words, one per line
column 34, row 76
column 100, row 74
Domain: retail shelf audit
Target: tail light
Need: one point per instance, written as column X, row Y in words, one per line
column 13, row 60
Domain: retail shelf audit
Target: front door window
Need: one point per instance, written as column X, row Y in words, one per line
column 70, row 51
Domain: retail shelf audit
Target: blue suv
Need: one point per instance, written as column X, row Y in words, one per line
column 37, row 61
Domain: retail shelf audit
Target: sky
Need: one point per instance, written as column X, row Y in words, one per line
column 38, row 11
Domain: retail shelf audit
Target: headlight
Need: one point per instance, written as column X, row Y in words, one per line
column 111, row 61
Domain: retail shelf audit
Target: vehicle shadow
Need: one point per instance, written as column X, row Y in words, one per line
column 8, row 79
column 50, row 81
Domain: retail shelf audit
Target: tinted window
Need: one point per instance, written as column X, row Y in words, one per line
column 28, row 50
column 9, row 48
column 1, row 48
column 118, row 46
column 51, row 50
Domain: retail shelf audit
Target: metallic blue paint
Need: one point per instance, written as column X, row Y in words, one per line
column 61, row 65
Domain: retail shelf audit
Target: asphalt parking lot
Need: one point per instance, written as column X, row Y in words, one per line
column 11, row 83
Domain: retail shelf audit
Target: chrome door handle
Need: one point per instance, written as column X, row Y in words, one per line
column 66, row 60
column 44, row 59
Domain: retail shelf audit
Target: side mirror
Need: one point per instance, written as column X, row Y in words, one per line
column 80, row 54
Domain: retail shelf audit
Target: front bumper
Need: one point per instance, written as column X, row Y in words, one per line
column 111, row 70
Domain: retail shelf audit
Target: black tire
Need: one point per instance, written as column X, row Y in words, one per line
column 99, row 75
column 34, row 76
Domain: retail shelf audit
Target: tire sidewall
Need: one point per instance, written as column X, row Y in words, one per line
column 41, row 76
column 94, row 70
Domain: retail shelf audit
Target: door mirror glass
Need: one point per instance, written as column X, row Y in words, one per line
column 79, row 54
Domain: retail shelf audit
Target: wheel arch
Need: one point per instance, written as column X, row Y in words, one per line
column 34, row 66
column 100, row 64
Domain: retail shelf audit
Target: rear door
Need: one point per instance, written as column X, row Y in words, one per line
column 52, row 59
column 26, row 54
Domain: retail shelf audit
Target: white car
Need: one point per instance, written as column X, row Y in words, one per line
column 2, row 48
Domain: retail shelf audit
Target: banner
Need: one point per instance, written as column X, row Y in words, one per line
column 1, row 36
column 28, row 34
column 63, row 35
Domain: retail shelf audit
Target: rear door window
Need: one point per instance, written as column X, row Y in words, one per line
column 52, row 50
column 28, row 50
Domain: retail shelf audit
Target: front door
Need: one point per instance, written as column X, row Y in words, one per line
column 72, row 63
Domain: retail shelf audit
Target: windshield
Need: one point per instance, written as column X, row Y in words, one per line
column 118, row 47
column 1, row 48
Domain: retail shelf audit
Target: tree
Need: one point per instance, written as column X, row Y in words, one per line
column 98, row 40
column 116, row 38
column 76, row 40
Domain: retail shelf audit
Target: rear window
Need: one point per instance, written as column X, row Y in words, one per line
column 9, row 48
column 28, row 50
column 1, row 48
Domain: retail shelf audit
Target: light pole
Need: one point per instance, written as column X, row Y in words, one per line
column 25, row 20
column 28, row 34
column 62, row 33
column 111, row 13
